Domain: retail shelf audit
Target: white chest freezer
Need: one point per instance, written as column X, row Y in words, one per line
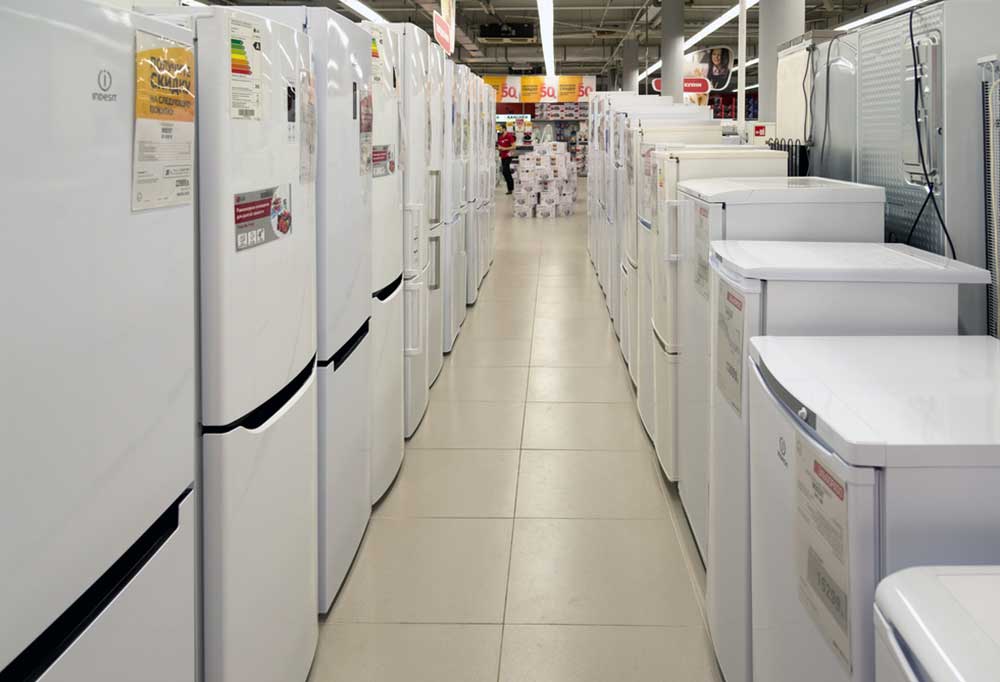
column 99, row 271
column 795, row 289
column 386, row 412
column 791, row 209
column 663, row 165
column 938, row 624
column 867, row 455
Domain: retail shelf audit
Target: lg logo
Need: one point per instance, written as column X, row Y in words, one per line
column 104, row 82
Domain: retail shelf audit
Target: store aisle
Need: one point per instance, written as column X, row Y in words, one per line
column 529, row 535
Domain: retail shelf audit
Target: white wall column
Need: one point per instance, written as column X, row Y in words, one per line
column 630, row 65
column 672, row 49
column 779, row 21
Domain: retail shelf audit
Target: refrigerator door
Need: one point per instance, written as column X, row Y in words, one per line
column 472, row 259
column 810, row 618
column 416, row 303
column 98, row 315
column 415, row 144
column 665, row 389
column 461, row 274
column 450, row 149
column 387, row 176
column 387, row 389
column 435, row 320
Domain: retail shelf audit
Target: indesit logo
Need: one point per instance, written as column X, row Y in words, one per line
column 782, row 451
column 104, row 82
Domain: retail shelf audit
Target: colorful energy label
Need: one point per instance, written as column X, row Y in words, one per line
column 238, row 54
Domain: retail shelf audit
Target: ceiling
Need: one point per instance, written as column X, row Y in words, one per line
column 588, row 33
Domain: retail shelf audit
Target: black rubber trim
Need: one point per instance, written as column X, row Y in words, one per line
column 259, row 415
column 344, row 352
column 388, row 290
column 38, row 657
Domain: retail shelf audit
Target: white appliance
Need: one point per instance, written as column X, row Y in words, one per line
column 453, row 275
column 414, row 128
column 99, row 343
column 436, row 176
column 795, row 289
column 867, row 455
column 472, row 106
column 484, row 160
column 791, row 209
column 386, row 406
column 938, row 624
column 342, row 67
column 663, row 166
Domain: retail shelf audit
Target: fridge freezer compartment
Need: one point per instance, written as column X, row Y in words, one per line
column 665, row 407
column 260, row 545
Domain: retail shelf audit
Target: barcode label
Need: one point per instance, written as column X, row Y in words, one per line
column 182, row 183
column 247, row 112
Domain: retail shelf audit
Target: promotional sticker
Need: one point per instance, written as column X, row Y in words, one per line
column 821, row 547
column 729, row 346
column 163, row 141
column 701, row 249
column 383, row 161
column 245, row 82
column 262, row 216
column 308, row 134
column 365, row 127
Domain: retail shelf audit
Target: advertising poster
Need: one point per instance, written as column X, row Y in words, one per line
column 444, row 26
column 262, row 216
column 706, row 71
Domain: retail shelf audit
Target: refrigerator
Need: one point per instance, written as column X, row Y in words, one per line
column 453, row 228
column 658, row 257
column 415, row 143
column 435, row 210
column 257, row 223
column 765, row 208
column 99, row 269
column 470, row 188
column 938, row 624
column 386, row 384
column 868, row 455
column 342, row 68
column 484, row 160
column 795, row 289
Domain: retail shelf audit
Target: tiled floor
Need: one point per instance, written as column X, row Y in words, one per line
column 529, row 535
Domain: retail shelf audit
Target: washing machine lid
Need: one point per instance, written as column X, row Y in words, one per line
column 781, row 190
column 842, row 262
column 891, row 401
column 948, row 617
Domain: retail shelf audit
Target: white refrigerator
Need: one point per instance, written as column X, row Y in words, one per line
column 658, row 265
column 436, row 243
column 766, row 208
column 484, row 159
column 795, row 289
column 99, row 375
column 342, row 67
column 470, row 112
column 938, row 624
column 453, row 229
column 868, row 455
column 386, row 406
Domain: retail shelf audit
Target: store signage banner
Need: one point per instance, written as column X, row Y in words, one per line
column 706, row 71
column 537, row 89
column 444, row 26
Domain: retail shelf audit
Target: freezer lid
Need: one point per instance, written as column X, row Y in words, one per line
column 948, row 618
column 681, row 152
column 892, row 401
column 781, row 190
column 842, row 262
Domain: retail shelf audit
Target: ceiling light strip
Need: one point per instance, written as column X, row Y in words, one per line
column 881, row 14
column 363, row 10
column 545, row 28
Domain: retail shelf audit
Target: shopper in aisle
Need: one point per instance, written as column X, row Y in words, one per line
column 505, row 143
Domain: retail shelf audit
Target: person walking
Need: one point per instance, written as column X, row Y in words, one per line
column 506, row 144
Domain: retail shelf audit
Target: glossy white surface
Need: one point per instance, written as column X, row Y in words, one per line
column 782, row 190
column 98, row 322
column 386, row 413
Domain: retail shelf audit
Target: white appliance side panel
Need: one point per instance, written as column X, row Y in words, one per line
column 259, row 547
column 342, row 57
column 386, row 411
column 472, row 244
column 414, row 146
column 387, row 176
column 461, row 275
column 151, row 624
column 806, row 222
column 435, row 305
column 788, row 645
column 416, row 380
column 450, row 144
column 344, row 467
column 98, row 317
column 449, row 292
column 665, row 388
column 436, row 145
column 646, row 397
column 258, row 317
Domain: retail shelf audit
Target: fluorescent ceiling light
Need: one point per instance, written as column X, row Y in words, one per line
column 753, row 61
column 752, row 87
column 363, row 10
column 719, row 22
column 545, row 28
column 881, row 14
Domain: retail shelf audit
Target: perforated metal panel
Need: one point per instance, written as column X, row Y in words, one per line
column 991, row 141
column 881, row 71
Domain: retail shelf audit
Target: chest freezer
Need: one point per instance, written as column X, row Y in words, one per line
column 938, row 624
column 868, row 455
column 764, row 208
column 795, row 289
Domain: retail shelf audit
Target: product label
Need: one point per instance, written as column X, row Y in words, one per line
column 163, row 140
column 365, row 135
column 701, row 250
column 383, row 161
column 262, row 216
column 291, row 108
column 378, row 44
column 245, row 78
column 307, row 138
column 821, row 547
column 729, row 346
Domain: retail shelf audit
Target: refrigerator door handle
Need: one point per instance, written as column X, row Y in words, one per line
column 435, row 176
column 436, row 284
column 671, row 214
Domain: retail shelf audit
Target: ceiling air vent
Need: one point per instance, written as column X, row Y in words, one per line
column 507, row 34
